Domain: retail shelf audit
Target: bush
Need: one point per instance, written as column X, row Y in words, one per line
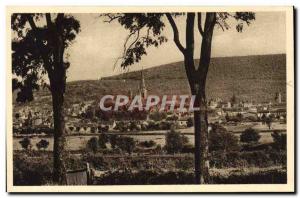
column 237, row 159
column 29, row 172
column 126, row 144
column 113, row 140
column 222, row 140
column 183, row 177
column 103, row 139
column 96, row 161
column 175, row 141
column 188, row 148
column 250, row 136
column 279, row 140
column 158, row 116
column 43, row 144
column 93, row 144
column 25, row 143
column 147, row 144
column 190, row 122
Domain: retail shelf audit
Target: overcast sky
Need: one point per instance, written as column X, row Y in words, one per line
column 97, row 46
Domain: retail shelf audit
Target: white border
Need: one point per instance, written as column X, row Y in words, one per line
column 161, row 188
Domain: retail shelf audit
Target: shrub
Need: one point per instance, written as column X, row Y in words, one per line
column 222, row 140
column 93, row 145
column 126, row 144
column 250, row 136
column 113, row 140
column 175, row 141
column 96, row 161
column 279, row 140
column 43, row 144
column 25, row 143
column 158, row 116
column 29, row 172
column 147, row 144
column 185, row 163
column 188, row 148
column 103, row 139
column 93, row 129
column 184, row 177
column 190, row 122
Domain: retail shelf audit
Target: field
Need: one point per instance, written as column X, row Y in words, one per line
column 75, row 143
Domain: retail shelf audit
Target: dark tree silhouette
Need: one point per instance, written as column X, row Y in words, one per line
column 42, row 144
column 145, row 30
column 38, row 49
column 25, row 143
column 250, row 135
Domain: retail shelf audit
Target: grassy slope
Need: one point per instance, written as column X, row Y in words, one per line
column 255, row 78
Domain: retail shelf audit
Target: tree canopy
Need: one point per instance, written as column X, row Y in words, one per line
column 146, row 29
column 34, row 48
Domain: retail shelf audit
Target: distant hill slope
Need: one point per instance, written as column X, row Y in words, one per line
column 255, row 78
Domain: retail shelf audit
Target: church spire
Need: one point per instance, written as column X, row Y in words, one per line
column 143, row 90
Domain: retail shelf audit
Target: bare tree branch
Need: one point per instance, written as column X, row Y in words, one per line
column 176, row 33
column 111, row 17
column 199, row 24
column 220, row 25
column 129, row 47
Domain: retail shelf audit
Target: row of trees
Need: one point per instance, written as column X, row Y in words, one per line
column 40, row 50
column 26, row 144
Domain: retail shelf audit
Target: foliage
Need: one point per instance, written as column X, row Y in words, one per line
column 32, row 172
column 33, row 49
column 279, row 140
column 103, row 139
column 175, row 141
column 93, row 144
column 126, row 144
column 146, row 30
column 188, row 148
column 158, row 115
column 147, row 144
column 260, row 158
column 96, row 161
column 250, row 136
column 25, row 143
column 184, row 177
column 190, row 122
column 113, row 140
column 222, row 140
column 42, row 144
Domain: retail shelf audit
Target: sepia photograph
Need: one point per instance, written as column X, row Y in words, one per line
column 150, row 99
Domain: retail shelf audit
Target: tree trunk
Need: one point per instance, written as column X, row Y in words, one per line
column 59, row 137
column 201, row 139
column 197, row 82
column 58, row 84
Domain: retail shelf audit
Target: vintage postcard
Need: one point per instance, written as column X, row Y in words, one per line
column 150, row 99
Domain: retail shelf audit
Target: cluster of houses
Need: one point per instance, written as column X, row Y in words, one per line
column 221, row 109
column 27, row 116
column 78, row 122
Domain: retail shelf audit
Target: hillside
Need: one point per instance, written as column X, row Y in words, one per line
column 255, row 78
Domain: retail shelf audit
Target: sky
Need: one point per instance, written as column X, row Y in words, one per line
column 97, row 46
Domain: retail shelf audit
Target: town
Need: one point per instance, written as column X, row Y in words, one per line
column 88, row 118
